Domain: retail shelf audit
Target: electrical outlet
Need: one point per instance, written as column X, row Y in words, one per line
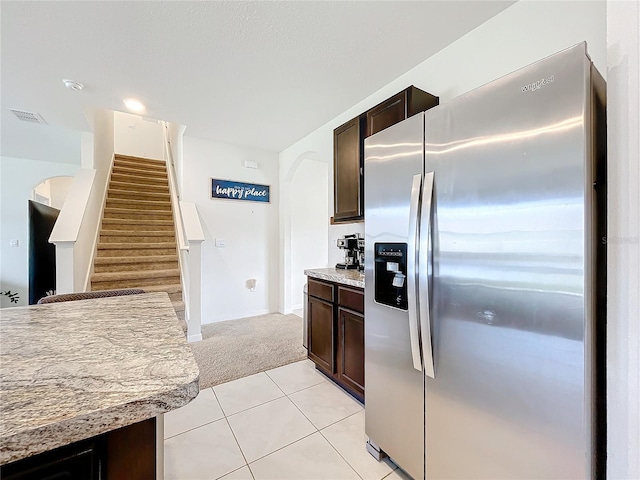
column 14, row 243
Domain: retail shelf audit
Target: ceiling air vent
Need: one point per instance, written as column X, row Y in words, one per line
column 28, row 116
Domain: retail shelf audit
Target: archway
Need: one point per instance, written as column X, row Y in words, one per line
column 46, row 201
column 52, row 191
column 306, row 212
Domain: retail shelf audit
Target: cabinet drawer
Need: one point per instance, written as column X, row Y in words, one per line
column 321, row 290
column 351, row 298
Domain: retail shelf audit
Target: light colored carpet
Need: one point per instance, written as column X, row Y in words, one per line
column 238, row 348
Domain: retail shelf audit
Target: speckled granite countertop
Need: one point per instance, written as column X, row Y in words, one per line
column 73, row 370
column 346, row 277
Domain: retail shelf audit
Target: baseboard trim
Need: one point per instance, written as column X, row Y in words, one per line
column 194, row 338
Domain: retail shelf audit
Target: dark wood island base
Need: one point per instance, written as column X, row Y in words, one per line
column 127, row 453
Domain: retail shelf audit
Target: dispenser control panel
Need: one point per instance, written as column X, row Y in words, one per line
column 390, row 274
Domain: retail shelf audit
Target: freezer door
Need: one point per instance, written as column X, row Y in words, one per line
column 394, row 411
column 510, row 398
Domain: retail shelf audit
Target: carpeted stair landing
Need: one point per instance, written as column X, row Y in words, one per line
column 137, row 246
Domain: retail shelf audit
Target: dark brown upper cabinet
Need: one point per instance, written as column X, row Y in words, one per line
column 348, row 162
column 348, row 148
column 403, row 105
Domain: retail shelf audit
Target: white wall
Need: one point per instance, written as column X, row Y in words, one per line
column 137, row 137
column 623, row 292
column 309, row 209
column 103, row 145
column 518, row 36
column 18, row 177
column 250, row 229
column 175, row 133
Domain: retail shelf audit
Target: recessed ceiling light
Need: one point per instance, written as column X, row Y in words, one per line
column 134, row 105
column 72, row 85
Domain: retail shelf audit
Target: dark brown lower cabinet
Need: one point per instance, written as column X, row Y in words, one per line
column 128, row 453
column 350, row 365
column 321, row 339
column 335, row 339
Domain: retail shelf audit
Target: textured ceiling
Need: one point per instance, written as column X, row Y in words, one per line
column 260, row 74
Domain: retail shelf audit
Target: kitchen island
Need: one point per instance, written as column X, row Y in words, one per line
column 90, row 369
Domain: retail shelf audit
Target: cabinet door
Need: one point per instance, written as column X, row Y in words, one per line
column 347, row 173
column 321, row 334
column 388, row 113
column 351, row 350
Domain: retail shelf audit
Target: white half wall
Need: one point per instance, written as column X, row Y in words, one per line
column 85, row 247
column 623, row 240
column 249, row 229
column 137, row 137
column 522, row 34
column 18, row 177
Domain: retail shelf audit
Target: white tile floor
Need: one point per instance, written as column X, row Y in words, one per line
column 287, row 423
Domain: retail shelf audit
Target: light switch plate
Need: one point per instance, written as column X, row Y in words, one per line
column 14, row 243
column 220, row 242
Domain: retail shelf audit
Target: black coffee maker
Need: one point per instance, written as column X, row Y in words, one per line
column 350, row 245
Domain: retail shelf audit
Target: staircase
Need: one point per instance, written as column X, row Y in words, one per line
column 137, row 245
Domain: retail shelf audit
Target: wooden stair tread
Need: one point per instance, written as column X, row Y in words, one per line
column 125, row 177
column 108, row 276
column 137, row 159
column 140, row 163
column 128, row 260
column 132, row 221
column 178, row 305
column 120, row 185
column 136, row 233
column 151, row 195
column 160, row 203
column 134, row 246
column 169, row 288
column 115, row 212
column 139, row 172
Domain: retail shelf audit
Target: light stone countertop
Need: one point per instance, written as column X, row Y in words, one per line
column 73, row 370
column 346, row 277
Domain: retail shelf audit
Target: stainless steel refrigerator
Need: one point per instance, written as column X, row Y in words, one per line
column 484, row 280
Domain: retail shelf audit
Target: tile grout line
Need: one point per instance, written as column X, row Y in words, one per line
column 256, row 406
column 283, row 447
column 234, row 437
column 229, row 473
column 266, row 372
column 270, row 453
column 305, row 388
column 332, row 423
column 340, row 455
column 204, row 424
column 253, row 406
column 194, row 428
column 393, row 469
column 320, row 432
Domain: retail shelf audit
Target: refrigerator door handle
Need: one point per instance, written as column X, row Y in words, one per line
column 424, row 252
column 412, row 272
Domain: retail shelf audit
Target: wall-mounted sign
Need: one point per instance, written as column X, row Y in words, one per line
column 229, row 189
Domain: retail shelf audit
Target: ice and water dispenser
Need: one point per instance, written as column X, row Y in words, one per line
column 390, row 275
